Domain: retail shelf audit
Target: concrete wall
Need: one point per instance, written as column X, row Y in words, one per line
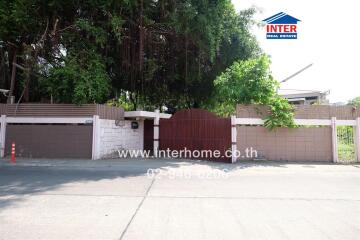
column 301, row 144
column 113, row 138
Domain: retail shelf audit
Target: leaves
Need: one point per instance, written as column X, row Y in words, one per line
column 246, row 82
column 250, row 82
column 81, row 80
column 163, row 52
column 354, row 101
column 281, row 114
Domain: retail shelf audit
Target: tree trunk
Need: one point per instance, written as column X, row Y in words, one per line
column 2, row 68
column 27, row 86
column 186, row 58
column 141, row 37
column 13, row 77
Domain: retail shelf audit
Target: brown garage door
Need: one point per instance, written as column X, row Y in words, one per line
column 50, row 141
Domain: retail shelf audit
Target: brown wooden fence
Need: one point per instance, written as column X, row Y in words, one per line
column 196, row 130
column 61, row 110
column 302, row 111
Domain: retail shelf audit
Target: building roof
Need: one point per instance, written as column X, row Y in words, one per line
column 281, row 18
column 298, row 91
column 297, row 100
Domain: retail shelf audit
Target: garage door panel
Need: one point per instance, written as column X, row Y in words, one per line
column 50, row 141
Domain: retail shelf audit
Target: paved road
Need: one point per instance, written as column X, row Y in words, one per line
column 180, row 200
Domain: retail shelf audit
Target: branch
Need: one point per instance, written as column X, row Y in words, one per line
column 64, row 29
column 55, row 26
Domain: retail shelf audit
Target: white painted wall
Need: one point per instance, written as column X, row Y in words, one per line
column 113, row 138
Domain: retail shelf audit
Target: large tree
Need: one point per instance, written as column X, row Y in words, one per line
column 354, row 101
column 153, row 52
column 250, row 82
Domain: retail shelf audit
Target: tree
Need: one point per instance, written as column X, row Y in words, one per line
column 250, row 82
column 161, row 52
column 82, row 79
column 354, row 101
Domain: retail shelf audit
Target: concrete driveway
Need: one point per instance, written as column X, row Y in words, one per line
column 123, row 199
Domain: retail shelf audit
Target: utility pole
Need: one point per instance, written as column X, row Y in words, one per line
column 295, row 74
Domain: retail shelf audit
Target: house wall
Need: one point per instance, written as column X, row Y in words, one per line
column 113, row 138
column 300, row 144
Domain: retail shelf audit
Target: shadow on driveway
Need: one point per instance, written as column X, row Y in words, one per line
column 31, row 177
column 38, row 176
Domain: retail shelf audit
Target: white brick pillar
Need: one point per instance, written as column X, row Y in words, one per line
column 357, row 139
column 233, row 139
column 156, row 131
column 96, row 138
column 334, row 139
column 2, row 135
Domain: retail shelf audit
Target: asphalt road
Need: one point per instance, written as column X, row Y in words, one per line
column 180, row 200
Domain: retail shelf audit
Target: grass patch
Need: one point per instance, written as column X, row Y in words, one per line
column 346, row 152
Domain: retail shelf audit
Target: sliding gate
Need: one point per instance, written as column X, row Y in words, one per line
column 201, row 133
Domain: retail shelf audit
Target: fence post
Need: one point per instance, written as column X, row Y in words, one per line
column 156, row 131
column 96, row 138
column 233, row 139
column 334, row 139
column 357, row 139
column 2, row 135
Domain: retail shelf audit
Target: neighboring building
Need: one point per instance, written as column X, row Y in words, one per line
column 304, row 97
column 339, row 104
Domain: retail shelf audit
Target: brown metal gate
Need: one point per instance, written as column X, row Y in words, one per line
column 196, row 130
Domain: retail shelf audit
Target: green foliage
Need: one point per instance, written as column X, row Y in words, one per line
column 246, row 82
column 97, row 33
column 81, row 79
column 116, row 26
column 123, row 100
column 165, row 52
column 346, row 152
column 346, row 146
column 250, row 82
column 281, row 114
column 355, row 101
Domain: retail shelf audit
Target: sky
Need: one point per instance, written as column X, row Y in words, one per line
column 328, row 37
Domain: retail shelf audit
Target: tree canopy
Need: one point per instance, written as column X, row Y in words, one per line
column 154, row 52
column 355, row 101
column 250, row 82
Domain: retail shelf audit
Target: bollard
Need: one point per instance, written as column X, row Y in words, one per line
column 13, row 158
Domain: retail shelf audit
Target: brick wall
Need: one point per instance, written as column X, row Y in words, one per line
column 301, row 144
column 113, row 138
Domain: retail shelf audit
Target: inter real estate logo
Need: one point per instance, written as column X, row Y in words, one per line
column 281, row 26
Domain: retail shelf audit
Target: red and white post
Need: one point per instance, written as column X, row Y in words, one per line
column 13, row 158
